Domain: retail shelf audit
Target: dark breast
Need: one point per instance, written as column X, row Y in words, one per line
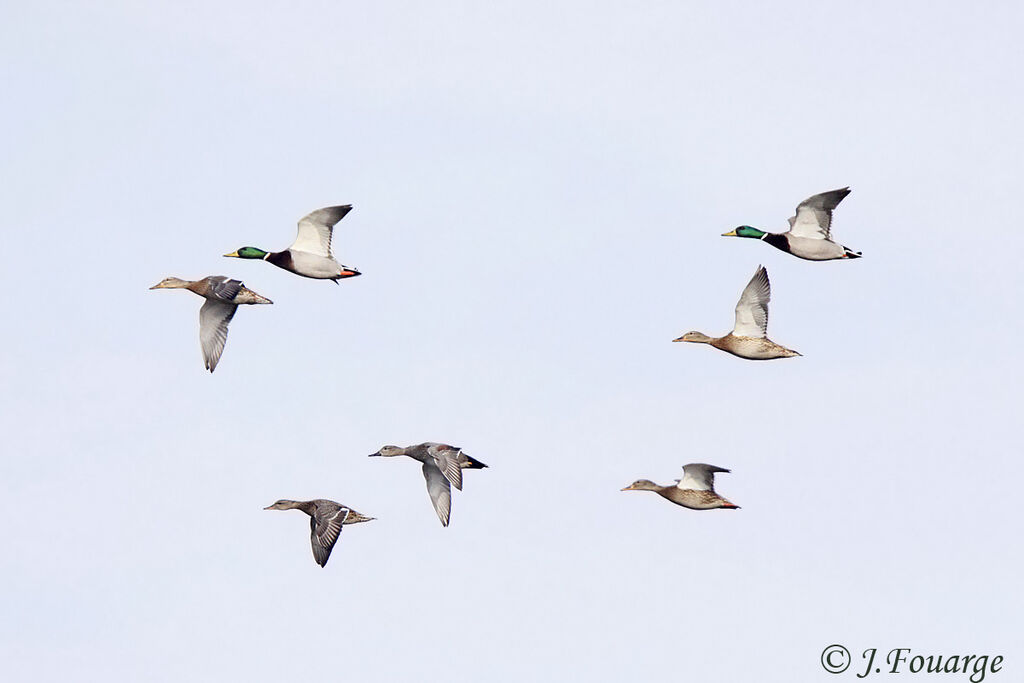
column 282, row 259
column 778, row 241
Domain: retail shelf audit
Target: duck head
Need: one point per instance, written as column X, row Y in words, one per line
column 171, row 283
column 283, row 504
column 389, row 451
column 642, row 485
column 695, row 337
column 249, row 252
column 745, row 231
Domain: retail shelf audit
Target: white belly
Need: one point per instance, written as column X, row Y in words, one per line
column 314, row 265
column 814, row 250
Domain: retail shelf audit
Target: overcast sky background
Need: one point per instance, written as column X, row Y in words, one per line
column 539, row 191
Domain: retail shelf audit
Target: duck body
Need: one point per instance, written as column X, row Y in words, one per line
column 749, row 336
column 696, row 490
column 807, row 248
column 442, row 468
column 309, row 265
column 809, row 236
column 695, row 500
column 310, row 254
column 752, row 348
column 223, row 297
column 326, row 519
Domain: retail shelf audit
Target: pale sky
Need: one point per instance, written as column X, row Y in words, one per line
column 539, row 194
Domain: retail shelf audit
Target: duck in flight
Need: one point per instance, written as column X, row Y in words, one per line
column 696, row 490
column 223, row 296
column 442, row 468
column 310, row 254
column 810, row 230
column 325, row 521
column 749, row 336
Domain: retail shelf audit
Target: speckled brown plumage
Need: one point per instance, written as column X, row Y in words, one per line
column 696, row 490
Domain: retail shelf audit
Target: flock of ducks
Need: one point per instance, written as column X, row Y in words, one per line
column 809, row 237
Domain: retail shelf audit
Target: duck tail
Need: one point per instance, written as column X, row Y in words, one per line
column 355, row 518
column 247, row 296
column 474, row 464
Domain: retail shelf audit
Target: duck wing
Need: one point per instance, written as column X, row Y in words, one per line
column 699, row 476
column 813, row 218
column 315, row 230
column 324, row 528
column 214, row 317
column 222, row 288
column 752, row 308
column 447, row 460
column 440, row 491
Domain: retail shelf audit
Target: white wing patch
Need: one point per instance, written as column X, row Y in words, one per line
column 752, row 308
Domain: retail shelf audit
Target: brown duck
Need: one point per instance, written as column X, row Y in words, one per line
column 223, row 296
column 325, row 521
column 696, row 490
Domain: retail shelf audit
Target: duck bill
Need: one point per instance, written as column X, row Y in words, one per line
column 233, row 254
column 348, row 272
column 678, row 339
column 731, row 233
column 373, row 455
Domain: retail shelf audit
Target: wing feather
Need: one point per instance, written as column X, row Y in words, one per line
column 223, row 288
column 214, row 318
column 447, row 461
column 316, row 229
column 752, row 308
column 813, row 218
column 440, row 491
column 325, row 526
column 699, row 476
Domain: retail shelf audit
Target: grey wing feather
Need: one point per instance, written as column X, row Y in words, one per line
column 752, row 308
column 214, row 317
column 440, row 491
column 316, row 230
column 325, row 526
column 813, row 217
column 448, row 462
column 224, row 288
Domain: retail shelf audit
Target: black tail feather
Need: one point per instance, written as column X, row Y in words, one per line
column 474, row 464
